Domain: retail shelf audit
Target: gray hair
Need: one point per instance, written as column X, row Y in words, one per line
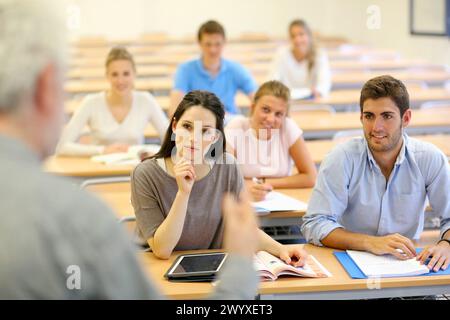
column 32, row 35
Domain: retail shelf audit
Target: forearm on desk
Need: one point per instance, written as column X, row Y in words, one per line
column 266, row 243
column 169, row 232
column 342, row 239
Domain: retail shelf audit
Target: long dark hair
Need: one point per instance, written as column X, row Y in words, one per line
column 194, row 98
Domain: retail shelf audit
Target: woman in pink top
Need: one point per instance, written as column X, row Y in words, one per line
column 268, row 143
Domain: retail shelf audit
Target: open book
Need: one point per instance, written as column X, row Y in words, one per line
column 387, row 265
column 271, row 267
column 131, row 157
column 276, row 201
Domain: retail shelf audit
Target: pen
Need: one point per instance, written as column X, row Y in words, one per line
column 257, row 181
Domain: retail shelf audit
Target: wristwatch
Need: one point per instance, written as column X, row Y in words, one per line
column 446, row 240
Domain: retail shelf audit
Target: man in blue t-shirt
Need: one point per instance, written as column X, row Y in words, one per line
column 211, row 72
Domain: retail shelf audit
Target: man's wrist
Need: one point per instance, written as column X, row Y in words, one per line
column 367, row 243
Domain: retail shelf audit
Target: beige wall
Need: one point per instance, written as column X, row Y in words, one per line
column 128, row 18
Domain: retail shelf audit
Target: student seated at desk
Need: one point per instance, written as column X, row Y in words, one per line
column 301, row 65
column 268, row 143
column 57, row 241
column 177, row 193
column 116, row 118
column 371, row 192
column 211, row 72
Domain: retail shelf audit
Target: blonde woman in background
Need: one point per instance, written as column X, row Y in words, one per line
column 268, row 143
column 301, row 66
column 116, row 118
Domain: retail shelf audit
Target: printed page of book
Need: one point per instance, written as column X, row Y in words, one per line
column 386, row 265
column 271, row 267
column 276, row 201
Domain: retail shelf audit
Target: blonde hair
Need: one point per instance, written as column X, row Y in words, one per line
column 273, row 88
column 119, row 53
column 311, row 54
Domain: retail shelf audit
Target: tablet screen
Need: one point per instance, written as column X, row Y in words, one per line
column 199, row 263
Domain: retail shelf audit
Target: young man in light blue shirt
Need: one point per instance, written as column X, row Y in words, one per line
column 371, row 192
column 211, row 72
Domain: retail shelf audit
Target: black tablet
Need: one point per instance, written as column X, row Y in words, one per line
column 196, row 267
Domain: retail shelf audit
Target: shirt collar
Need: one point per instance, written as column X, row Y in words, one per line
column 400, row 157
column 203, row 71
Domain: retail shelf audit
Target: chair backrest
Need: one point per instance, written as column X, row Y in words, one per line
column 106, row 180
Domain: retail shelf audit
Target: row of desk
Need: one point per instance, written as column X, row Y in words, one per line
column 339, row 80
column 256, row 68
column 338, row 99
column 339, row 286
column 84, row 168
column 318, row 125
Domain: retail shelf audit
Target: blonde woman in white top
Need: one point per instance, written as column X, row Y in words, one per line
column 301, row 65
column 116, row 118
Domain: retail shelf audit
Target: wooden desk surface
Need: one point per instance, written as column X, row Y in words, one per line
column 310, row 121
column 84, row 167
column 320, row 148
column 313, row 123
column 337, row 97
column 387, row 64
column 165, row 83
column 340, row 281
column 117, row 196
column 359, row 78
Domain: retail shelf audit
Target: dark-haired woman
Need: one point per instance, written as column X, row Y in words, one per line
column 177, row 194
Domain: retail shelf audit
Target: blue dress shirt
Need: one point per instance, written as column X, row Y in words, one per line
column 352, row 193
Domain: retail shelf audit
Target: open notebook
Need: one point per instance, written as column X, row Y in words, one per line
column 271, row 267
column 276, row 201
column 131, row 157
column 387, row 265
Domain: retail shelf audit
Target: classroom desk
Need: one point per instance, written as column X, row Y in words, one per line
column 172, row 58
column 99, row 72
column 357, row 79
column 96, row 85
column 388, row 64
column 320, row 148
column 320, row 126
column 139, row 48
column 83, row 167
column 338, row 98
column 339, row 286
column 117, row 196
column 324, row 126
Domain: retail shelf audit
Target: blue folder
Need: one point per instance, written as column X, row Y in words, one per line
column 354, row 272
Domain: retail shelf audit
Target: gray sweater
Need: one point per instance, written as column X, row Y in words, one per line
column 153, row 191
